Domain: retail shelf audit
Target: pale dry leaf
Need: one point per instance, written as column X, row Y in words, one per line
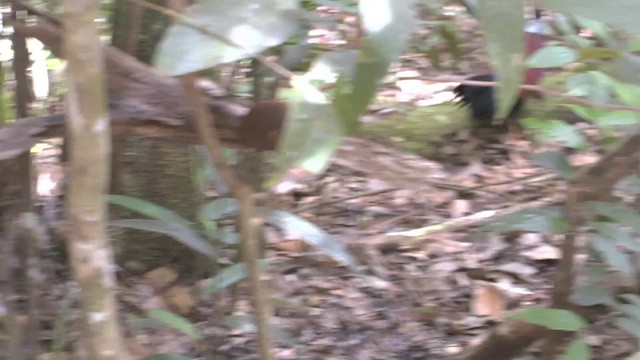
column 459, row 208
column 161, row 277
column 519, row 269
column 154, row 302
column 445, row 267
column 530, row 239
column 542, row 253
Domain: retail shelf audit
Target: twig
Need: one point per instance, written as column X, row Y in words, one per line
column 337, row 201
column 543, row 175
column 249, row 225
column 420, row 234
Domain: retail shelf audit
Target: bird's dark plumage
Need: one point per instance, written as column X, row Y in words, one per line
column 480, row 100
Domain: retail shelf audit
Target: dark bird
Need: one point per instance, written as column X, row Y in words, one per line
column 479, row 99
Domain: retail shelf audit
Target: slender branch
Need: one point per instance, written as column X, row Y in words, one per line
column 250, row 225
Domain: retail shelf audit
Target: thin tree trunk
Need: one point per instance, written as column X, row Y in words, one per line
column 88, row 127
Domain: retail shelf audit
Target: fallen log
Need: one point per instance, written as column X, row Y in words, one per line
column 143, row 102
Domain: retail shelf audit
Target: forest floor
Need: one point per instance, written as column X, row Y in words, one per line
column 421, row 297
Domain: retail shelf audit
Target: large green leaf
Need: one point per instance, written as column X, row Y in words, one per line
column 503, row 25
column 555, row 161
column 554, row 319
column 630, row 325
column 148, row 209
column 175, row 322
column 309, row 139
column 612, row 255
column 329, row 66
column 621, row 14
column 387, row 27
column 218, row 209
column 618, row 234
column 578, row 349
column 552, row 56
column 617, row 118
column 229, row 276
column 589, row 295
column 181, row 234
column 244, row 28
column 555, row 130
column 621, row 213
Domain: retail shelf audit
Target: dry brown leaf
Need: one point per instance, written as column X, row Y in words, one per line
column 181, row 299
column 291, row 246
column 161, row 277
column 488, row 300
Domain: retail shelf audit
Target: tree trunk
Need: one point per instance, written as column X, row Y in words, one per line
column 151, row 169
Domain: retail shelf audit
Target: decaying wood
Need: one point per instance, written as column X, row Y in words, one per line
column 140, row 101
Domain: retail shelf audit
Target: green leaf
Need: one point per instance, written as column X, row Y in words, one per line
column 589, row 295
column 543, row 220
column 219, row 209
column 617, row 118
column 616, row 233
column 243, row 29
column 597, row 53
column 634, row 44
column 310, row 136
column 552, row 56
column 181, row 234
column 630, row 325
column 351, row 100
column 505, row 48
column 629, row 94
column 149, row 209
column 313, row 235
column 555, row 130
column 554, row 319
column 587, row 113
column 175, row 322
column 387, row 27
column 618, row 212
column 632, row 298
column 556, row 162
column 228, row 237
column 623, row 15
column 598, row 28
column 578, row 349
column 631, row 310
column 229, row 276
column 611, row 255
column 329, row 66
column 144, row 323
